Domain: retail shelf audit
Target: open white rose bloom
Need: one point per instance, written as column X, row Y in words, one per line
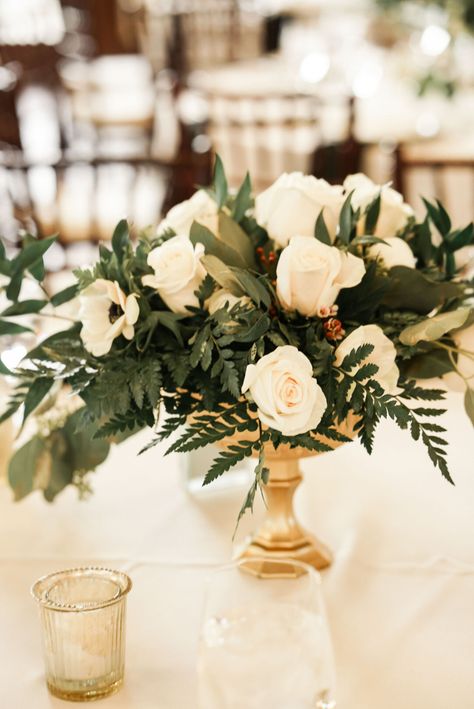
column 263, row 319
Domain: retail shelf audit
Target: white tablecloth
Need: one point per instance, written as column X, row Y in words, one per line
column 399, row 594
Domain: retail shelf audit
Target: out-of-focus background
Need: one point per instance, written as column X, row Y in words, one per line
column 112, row 108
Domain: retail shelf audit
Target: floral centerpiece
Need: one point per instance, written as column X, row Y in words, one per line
column 264, row 322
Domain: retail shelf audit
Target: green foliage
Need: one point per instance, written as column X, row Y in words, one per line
column 243, row 200
column 320, row 229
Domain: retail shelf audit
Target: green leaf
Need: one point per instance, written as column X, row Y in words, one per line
column 321, row 231
column 434, row 328
column 235, row 237
column 410, row 289
column 36, row 394
column 434, row 363
column 460, row 239
column 12, row 328
column 25, row 307
column 469, row 404
column 220, row 183
column 171, row 322
column 65, row 295
column 356, row 356
column 345, row 220
column 372, row 215
column 438, row 216
column 121, row 239
column 23, row 467
column 4, row 369
column 30, row 253
column 199, row 234
column 243, row 199
column 423, row 244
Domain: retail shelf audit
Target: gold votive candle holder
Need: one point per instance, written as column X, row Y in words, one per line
column 83, row 621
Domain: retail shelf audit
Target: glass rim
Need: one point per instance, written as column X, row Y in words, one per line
column 40, row 589
column 284, row 561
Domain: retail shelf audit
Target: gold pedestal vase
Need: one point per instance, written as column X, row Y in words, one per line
column 280, row 536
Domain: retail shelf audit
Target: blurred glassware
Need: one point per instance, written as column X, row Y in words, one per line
column 83, row 622
column 265, row 643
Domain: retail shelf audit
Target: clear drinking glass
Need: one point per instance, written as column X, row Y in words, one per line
column 265, row 642
column 83, row 621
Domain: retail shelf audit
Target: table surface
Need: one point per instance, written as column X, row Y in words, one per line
column 399, row 594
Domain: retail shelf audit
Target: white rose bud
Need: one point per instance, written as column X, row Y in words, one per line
column 224, row 298
column 288, row 397
column 383, row 355
column 395, row 252
column 178, row 272
column 200, row 208
column 293, row 203
column 463, row 340
column 394, row 212
column 106, row 313
column 311, row 274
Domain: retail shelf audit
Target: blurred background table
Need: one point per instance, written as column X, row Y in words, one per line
column 399, row 594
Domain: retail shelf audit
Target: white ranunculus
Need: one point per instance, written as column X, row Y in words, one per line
column 311, row 274
column 293, row 203
column 288, row 397
column 395, row 252
column 178, row 272
column 394, row 212
column 383, row 355
column 463, row 340
column 222, row 298
column 200, row 208
column 106, row 313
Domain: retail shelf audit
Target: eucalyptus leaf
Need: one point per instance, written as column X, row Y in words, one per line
column 434, row 328
column 23, row 467
column 25, row 307
column 235, row 237
column 199, row 234
column 65, row 295
column 469, row 404
column 222, row 274
column 410, row 289
column 434, row 363
column 12, row 328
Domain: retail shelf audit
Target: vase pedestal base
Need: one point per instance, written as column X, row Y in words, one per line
column 280, row 537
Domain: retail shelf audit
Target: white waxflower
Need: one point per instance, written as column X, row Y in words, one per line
column 383, row 355
column 294, row 202
column 178, row 272
column 310, row 275
column 288, row 397
column 394, row 212
column 106, row 313
column 200, row 208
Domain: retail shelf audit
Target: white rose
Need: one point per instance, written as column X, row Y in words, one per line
column 310, row 275
column 200, row 208
column 178, row 272
column 224, row 298
column 106, row 313
column 383, row 355
column 288, row 397
column 394, row 212
column 293, row 203
column 395, row 252
column 463, row 340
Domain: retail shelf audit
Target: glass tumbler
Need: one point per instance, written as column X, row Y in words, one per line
column 83, row 621
column 265, row 642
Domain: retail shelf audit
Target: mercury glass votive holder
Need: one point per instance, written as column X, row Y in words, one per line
column 83, row 621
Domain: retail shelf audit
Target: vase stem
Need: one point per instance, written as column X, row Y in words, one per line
column 280, row 536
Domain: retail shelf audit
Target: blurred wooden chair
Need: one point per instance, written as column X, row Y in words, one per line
column 194, row 34
column 271, row 134
column 83, row 200
column 442, row 169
